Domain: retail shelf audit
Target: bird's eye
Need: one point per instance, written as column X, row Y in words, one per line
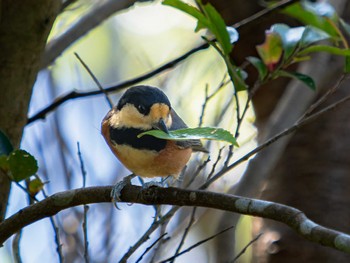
column 141, row 109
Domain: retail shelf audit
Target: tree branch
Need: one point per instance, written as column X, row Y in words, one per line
column 290, row 216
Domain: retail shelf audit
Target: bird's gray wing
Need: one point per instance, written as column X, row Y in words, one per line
column 177, row 124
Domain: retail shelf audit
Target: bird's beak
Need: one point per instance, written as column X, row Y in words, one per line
column 160, row 125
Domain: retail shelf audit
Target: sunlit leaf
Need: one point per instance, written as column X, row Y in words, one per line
column 5, row 144
column 21, row 165
column 260, row 66
column 324, row 48
column 207, row 133
column 312, row 35
column 307, row 80
column 202, row 21
column 310, row 18
column 208, row 18
column 271, row 50
column 320, row 8
column 233, row 34
column 218, row 27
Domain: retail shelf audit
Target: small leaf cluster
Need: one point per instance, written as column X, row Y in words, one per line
column 285, row 46
column 18, row 164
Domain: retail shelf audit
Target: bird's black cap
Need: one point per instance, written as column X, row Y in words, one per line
column 143, row 97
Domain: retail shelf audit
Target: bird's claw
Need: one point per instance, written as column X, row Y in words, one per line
column 118, row 187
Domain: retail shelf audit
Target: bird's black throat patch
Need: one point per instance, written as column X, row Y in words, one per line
column 128, row 136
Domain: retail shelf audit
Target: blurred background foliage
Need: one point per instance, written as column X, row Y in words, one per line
column 123, row 47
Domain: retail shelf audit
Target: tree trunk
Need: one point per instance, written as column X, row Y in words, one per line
column 24, row 28
column 310, row 173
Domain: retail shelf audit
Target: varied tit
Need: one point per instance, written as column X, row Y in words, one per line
column 144, row 108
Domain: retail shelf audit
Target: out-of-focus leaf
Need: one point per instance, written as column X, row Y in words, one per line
column 218, row 27
column 21, row 165
column 312, row 35
column 345, row 25
column 323, row 8
column 5, row 144
column 297, row 37
column 271, row 50
column 35, row 186
column 260, row 66
column 209, row 18
column 324, row 48
column 207, row 133
column 190, row 10
column 233, row 34
column 310, row 18
column 347, row 65
column 299, row 76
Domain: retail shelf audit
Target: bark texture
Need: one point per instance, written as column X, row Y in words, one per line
column 24, row 28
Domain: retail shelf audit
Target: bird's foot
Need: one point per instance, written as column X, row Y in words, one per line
column 118, row 187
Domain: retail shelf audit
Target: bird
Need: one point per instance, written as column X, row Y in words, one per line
column 143, row 108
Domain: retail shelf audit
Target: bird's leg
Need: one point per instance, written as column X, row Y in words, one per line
column 118, row 187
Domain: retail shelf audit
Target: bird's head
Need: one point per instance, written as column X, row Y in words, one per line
column 145, row 108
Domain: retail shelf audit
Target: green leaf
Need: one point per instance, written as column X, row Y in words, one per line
column 271, row 50
column 209, row 18
column 308, row 17
column 21, row 165
column 5, row 144
column 299, row 76
column 325, row 48
column 207, row 133
column 312, row 35
column 190, row 10
column 218, row 27
column 323, row 8
column 260, row 66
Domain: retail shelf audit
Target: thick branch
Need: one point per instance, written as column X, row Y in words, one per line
column 290, row 216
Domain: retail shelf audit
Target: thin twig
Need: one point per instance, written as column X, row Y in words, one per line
column 286, row 132
column 208, row 97
column 16, row 247
column 147, row 233
column 213, row 167
column 86, row 207
column 246, row 247
column 109, row 101
column 324, row 97
column 187, row 230
column 196, row 245
column 150, row 247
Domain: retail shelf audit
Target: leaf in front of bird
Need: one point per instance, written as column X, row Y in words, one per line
column 206, row 133
column 22, row 165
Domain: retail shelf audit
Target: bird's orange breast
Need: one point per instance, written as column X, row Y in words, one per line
column 150, row 163
column 145, row 163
